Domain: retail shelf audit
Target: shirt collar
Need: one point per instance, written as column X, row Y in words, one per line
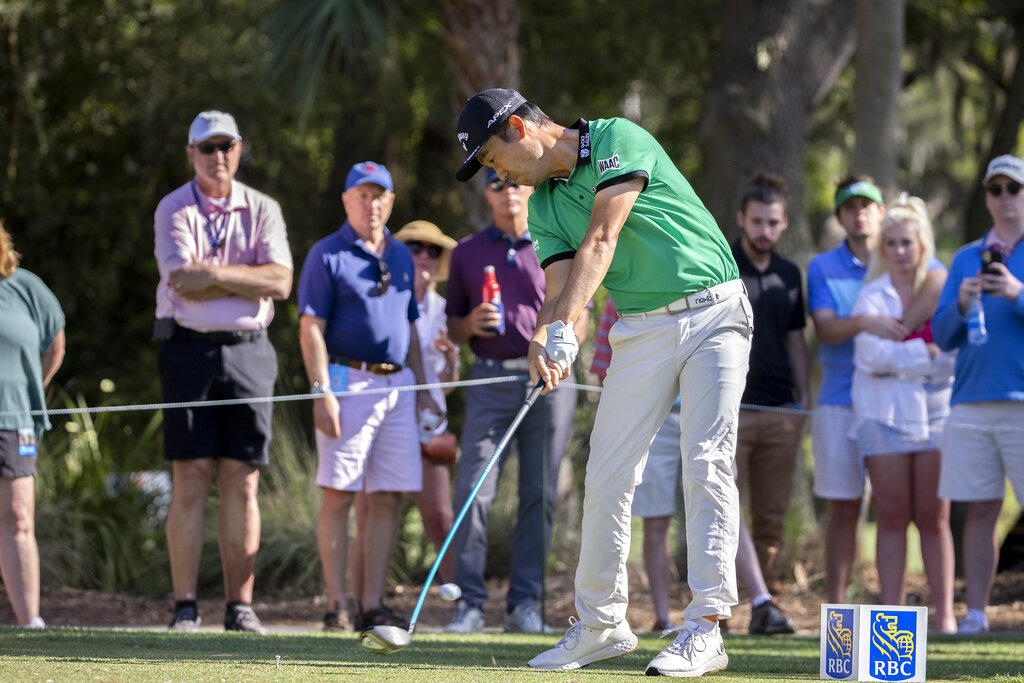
column 582, row 153
column 350, row 238
column 495, row 234
column 236, row 199
column 994, row 241
column 744, row 262
column 853, row 257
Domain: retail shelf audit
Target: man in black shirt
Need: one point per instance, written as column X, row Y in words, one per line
column 768, row 440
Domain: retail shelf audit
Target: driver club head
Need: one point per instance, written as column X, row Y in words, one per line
column 384, row 640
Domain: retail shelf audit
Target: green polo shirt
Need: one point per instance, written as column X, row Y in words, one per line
column 669, row 246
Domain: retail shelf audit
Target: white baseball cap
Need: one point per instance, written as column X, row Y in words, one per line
column 211, row 123
column 1007, row 165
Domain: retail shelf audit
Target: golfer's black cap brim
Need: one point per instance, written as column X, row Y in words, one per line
column 470, row 166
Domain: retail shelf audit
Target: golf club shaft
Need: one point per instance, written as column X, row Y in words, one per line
column 531, row 398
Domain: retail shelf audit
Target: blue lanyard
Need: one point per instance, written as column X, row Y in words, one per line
column 218, row 238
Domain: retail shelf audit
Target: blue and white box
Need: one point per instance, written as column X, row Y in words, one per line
column 873, row 642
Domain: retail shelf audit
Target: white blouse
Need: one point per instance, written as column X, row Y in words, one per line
column 896, row 383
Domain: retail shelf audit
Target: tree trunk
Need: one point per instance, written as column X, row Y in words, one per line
column 879, row 77
column 776, row 62
column 1004, row 140
column 482, row 51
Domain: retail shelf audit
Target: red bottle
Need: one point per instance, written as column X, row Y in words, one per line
column 492, row 295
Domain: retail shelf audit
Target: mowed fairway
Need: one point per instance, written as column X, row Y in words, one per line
column 74, row 654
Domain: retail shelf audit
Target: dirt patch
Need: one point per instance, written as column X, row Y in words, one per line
column 73, row 607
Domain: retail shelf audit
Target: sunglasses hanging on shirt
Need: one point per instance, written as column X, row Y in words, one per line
column 383, row 277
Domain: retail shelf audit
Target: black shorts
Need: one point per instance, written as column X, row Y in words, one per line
column 200, row 370
column 13, row 465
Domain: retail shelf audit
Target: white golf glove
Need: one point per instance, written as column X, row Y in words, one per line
column 562, row 346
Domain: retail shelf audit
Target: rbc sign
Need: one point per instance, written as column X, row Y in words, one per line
column 873, row 642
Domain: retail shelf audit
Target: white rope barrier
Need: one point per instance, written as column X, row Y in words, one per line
column 143, row 407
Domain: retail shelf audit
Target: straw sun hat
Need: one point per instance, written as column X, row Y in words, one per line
column 428, row 233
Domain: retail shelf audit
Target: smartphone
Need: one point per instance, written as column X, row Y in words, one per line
column 988, row 258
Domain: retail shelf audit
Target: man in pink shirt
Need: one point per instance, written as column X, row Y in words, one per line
column 223, row 256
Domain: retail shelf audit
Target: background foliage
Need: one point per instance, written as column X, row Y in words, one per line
column 96, row 97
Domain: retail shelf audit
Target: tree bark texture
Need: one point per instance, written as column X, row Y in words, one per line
column 877, row 83
column 1004, row 139
column 776, row 62
column 481, row 40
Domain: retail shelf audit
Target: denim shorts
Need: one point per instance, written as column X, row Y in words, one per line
column 878, row 438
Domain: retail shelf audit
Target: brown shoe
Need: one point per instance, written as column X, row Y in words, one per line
column 381, row 616
column 338, row 620
column 768, row 619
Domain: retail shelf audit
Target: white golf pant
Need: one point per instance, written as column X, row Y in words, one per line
column 701, row 355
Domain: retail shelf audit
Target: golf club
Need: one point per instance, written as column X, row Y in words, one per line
column 389, row 639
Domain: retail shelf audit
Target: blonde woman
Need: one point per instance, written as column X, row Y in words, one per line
column 31, row 350
column 901, row 395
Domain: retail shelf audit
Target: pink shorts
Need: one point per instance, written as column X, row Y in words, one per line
column 379, row 448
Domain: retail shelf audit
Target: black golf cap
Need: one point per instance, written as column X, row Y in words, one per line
column 483, row 113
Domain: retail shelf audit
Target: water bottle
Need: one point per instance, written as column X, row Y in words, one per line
column 976, row 332
column 492, row 295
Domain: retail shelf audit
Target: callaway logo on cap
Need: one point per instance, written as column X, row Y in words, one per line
column 483, row 113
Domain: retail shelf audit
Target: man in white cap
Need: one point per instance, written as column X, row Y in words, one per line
column 983, row 443
column 223, row 255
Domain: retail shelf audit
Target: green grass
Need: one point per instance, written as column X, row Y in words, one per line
column 105, row 655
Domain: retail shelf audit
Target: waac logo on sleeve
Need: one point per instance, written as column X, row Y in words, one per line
column 839, row 643
column 893, row 644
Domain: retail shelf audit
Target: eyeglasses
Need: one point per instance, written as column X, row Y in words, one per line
column 211, row 147
column 433, row 251
column 996, row 189
column 500, row 185
column 383, row 277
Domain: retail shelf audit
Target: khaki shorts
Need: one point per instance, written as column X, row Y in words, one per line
column 838, row 465
column 379, row 447
column 655, row 496
column 982, row 445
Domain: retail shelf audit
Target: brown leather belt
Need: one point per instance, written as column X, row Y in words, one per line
column 374, row 368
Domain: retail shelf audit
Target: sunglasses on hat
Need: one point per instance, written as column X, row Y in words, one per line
column 211, row 147
column 996, row 189
column 500, row 185
column 433, row 251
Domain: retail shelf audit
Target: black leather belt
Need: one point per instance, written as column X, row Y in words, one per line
column 220, row 336
column 374, row 368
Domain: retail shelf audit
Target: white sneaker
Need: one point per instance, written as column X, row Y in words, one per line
column 525, row 618
column 972, row 624
column 36, row 622
column 582, row 645
column 692, row 653
column 466, row 620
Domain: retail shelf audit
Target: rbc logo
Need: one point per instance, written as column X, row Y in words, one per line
column 893, row 641
column 839, row 647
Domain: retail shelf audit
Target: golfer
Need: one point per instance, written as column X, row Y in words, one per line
column 611, row 208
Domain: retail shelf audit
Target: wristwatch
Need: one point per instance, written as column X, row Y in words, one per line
column 317, row 388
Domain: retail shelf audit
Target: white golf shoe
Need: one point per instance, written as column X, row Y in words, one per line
column 582, row 645
column 692, row 654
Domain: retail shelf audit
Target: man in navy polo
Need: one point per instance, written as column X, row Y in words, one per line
column 357, row 333
column 490, row 408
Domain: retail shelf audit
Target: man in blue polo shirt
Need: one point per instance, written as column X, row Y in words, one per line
column 356, row 332
column 834, row 280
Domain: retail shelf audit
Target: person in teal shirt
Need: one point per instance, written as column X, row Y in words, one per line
column 611, row 208
column 31, row 350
